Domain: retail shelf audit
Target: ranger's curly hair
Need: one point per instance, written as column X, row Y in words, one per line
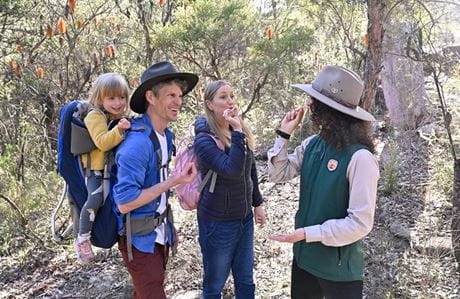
column 339, row 129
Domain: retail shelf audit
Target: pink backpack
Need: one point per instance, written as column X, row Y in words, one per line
column 189, row 194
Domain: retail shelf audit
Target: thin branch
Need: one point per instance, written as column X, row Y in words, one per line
column 346, row 31
column 391, row 9
column 15, row 207
column 428, row 12
column 445, row 113
column 256, row 94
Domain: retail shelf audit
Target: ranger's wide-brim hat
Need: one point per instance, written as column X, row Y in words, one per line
column 157, row 73
column 340, row 89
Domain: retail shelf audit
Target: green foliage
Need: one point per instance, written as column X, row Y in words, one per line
column 339, row 27
column 390, row 171
column 210, row 35
column 443, row 173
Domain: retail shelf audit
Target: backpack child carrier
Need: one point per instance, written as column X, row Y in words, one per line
column 74, row 140
column 189, row 194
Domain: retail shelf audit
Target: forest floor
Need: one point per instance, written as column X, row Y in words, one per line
column 408, row 254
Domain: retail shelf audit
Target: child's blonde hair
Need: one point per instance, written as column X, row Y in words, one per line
column 209, row 93
column 107, row 85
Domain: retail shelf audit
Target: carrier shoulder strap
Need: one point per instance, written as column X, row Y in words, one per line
column 156, row 147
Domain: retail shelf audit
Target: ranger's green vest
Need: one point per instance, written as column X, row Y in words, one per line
column 324, row 195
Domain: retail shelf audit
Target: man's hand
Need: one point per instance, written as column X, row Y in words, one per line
column 259, row 215
column 186, row 175
column 295, row 236
column 292, row 120
column 153, row 192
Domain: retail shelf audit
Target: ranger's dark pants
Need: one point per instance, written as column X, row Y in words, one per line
column 307, row 286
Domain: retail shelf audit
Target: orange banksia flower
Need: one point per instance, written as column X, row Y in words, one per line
column 366, row 40
column 95, row 59
column 72, row 5
column 61, row 25
column 269, row 33
column 49, row 31
column 15, row 67
column 40, row 72
column 109, row 51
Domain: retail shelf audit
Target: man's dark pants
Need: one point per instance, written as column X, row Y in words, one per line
column 147, row 271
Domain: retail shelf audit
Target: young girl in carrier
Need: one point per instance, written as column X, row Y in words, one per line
column 108, row 96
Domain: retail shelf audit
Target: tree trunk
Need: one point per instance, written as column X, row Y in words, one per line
column 144, row 22
column 373, row 64
column 456, row 213
column 402, row 79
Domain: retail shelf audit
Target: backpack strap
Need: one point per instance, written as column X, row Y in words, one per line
column 213, row 182
column 205, row 180
column 128, row 237
column 170, row 217
column 211, row 173
column 173, row 146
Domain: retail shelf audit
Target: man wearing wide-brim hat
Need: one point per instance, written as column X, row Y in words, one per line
column 338, row 186
column 141, row 193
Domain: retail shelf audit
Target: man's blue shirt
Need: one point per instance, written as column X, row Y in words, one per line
column 138, row 169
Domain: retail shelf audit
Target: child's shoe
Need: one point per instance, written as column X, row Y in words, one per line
column 83, row 249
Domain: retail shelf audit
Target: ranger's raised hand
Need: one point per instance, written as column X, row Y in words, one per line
column 292, row 120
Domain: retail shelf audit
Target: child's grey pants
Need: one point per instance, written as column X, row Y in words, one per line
column 93, row 203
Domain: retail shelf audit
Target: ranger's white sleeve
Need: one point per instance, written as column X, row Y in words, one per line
column 281, row 165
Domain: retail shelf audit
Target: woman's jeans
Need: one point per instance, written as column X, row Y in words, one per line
column 227, row 245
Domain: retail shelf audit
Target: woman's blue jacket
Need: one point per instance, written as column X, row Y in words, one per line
column 237, row 186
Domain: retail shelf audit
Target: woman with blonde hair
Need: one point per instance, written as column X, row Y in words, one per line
column 225, row 214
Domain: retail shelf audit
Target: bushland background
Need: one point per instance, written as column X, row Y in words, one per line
column 407, row 51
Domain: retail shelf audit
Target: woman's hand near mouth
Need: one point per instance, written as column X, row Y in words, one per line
column 231, row 116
